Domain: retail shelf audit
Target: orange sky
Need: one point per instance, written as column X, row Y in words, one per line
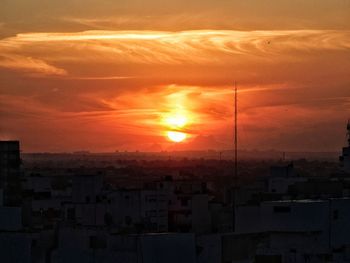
column 101, row 76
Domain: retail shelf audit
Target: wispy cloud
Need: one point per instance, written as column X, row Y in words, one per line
column 29, row 64
column 207, row 47
column 103, row 78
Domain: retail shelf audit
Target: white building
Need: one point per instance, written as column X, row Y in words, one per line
column 209, row 249
column 298, row 230
column 124, row 209
column 1, row 197
column 146, row 208
column 94, row 245
column 86, row 188
column 281, row 177
column 15, row 248
column 37, row 184
column 188, row 205
column 10, row 218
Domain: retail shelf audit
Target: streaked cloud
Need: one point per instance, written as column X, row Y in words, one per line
column 39, row 52
column 178, row 43
column 30, row 65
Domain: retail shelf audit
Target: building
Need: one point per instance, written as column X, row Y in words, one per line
column 81, row 244
column 10, row 179
column 282, row 177
column 345, row 157
column 296, row 230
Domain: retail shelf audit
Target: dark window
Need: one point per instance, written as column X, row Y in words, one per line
column 92, row 241
column 96, row 242
column 108, row 218
column 71, row 213
column 335, row 214
column 281, row 209
column 34, row 243
column 268, row 259
column 184, row 202
column 128, row 220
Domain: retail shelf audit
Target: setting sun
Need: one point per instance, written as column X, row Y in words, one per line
column 175, row 122
column 176, row 136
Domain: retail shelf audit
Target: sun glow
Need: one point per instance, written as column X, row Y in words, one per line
column 176, row 136
column 175, row 123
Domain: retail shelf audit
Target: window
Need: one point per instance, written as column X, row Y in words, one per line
column 184, row 202
column 71, row 213
column 34, row 243
column 128, row 220
column 92, row 241
column 335, row 214
column 281, row 209
column 96, row 242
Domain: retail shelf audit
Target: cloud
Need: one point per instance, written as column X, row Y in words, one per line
column 103, row 78
column 185, row 47
column 121, row 55
column 30, row 16
column 30, row 65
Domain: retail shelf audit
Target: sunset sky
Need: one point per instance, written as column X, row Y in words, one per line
column 105, row 75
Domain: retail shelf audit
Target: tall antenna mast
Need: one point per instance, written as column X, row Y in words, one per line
column 236, row 137
column 348, row 133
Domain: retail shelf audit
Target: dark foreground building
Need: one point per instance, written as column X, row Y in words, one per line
column 10, row 181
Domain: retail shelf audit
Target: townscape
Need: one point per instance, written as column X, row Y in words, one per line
column 83, row 207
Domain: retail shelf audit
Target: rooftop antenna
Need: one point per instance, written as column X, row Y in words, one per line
column 236, row 137
column 348, row 134
column 233, row 200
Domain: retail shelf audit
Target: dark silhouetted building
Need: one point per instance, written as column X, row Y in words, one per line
column 345, row 158
column 10, row 180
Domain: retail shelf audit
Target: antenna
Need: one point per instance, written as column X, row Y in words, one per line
column 348, row 133
column 234, row 196
column 236, row 137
